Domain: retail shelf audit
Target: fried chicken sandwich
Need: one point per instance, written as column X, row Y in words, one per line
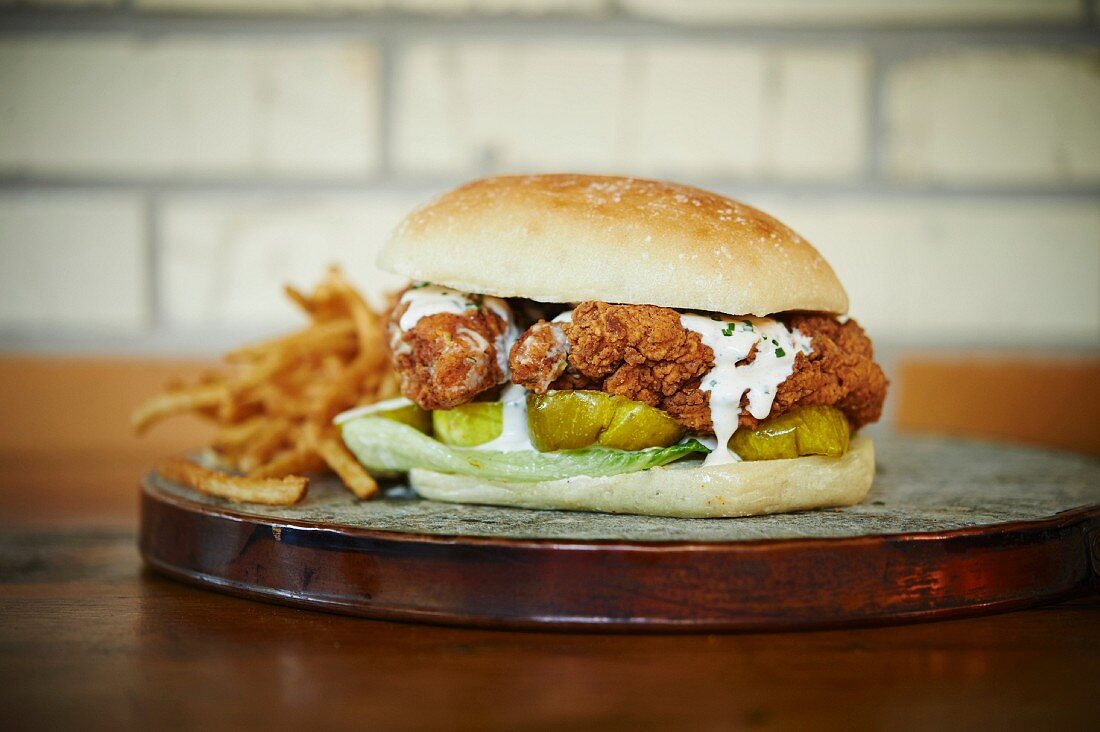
column 620, row 345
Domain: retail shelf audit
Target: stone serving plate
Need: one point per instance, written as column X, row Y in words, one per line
column 949, row 528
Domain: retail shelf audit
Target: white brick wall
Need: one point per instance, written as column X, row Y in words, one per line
column 224, row 258
column 699, row 108
column 918, row 270
column 944, row 154
column 462, row 107
column 519, row 7
column 820, row 122
column 681, row 109
column 1021, row 272
column 72, row 262
column 836, row 12
column 60, row 3
column 770, row 12
column 444, row 7
column 120, row 107
column 995, row 117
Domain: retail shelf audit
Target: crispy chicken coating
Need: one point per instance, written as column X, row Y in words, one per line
column 840, row 372
column 643, row 352
column 540, row 357
column 447, row 359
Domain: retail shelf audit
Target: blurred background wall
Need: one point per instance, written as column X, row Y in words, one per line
column 166, row 164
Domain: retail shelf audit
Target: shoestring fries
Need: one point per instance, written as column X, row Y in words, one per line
column 275, row 403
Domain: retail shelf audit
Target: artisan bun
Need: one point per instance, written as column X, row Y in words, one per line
column 682, row 489
column 570, row 238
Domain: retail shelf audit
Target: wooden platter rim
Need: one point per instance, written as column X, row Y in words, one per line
column 593, row 624
column 1024, row 562
column 1056, row 520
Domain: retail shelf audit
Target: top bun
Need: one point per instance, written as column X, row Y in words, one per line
column 570, row 238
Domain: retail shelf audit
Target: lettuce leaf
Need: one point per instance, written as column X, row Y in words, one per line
column 382, row 444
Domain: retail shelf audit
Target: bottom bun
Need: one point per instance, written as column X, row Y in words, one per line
column 682, row 489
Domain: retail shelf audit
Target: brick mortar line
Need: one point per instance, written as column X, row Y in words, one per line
column 885, row 58
column 875, row 141
column 517, row 29
column 385, row 112
column 635, row 70
column 153, row 248
column 869, row 188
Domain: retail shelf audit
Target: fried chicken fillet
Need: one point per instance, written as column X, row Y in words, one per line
column 644, row 353
column 447, row 359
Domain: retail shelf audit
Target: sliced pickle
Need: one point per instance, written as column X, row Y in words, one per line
column 567, row 420
column 412, row 415
column 469, row 424
column 398, row 409
column 637, row 426
column 570, row 420
column 801, row 431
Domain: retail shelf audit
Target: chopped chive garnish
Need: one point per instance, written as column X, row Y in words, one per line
column 780, row 353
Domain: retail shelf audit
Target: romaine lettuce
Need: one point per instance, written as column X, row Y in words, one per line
column 382, row 444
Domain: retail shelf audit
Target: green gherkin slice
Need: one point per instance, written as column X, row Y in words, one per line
column 398, row 409
column 469, row 425
column 567, row 420
column 802, row 431
column 637, row 426
column 572, row 420
column 411, row 415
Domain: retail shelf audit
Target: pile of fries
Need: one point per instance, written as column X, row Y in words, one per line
column 274, row 409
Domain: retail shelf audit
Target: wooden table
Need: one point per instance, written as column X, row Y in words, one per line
column 89, row 638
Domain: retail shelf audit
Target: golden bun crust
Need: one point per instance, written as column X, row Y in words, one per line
column 681, row 490
column 570, row 238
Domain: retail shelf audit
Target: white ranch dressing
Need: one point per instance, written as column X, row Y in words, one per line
column 508, row 338
column 732, row 339
column 557, row 328
column 425, row 300
column 513, row 434
column 428, row 300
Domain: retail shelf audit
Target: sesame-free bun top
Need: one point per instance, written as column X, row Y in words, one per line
column 571, row 238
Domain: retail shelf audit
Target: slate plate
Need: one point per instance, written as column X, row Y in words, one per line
column 950, row 527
